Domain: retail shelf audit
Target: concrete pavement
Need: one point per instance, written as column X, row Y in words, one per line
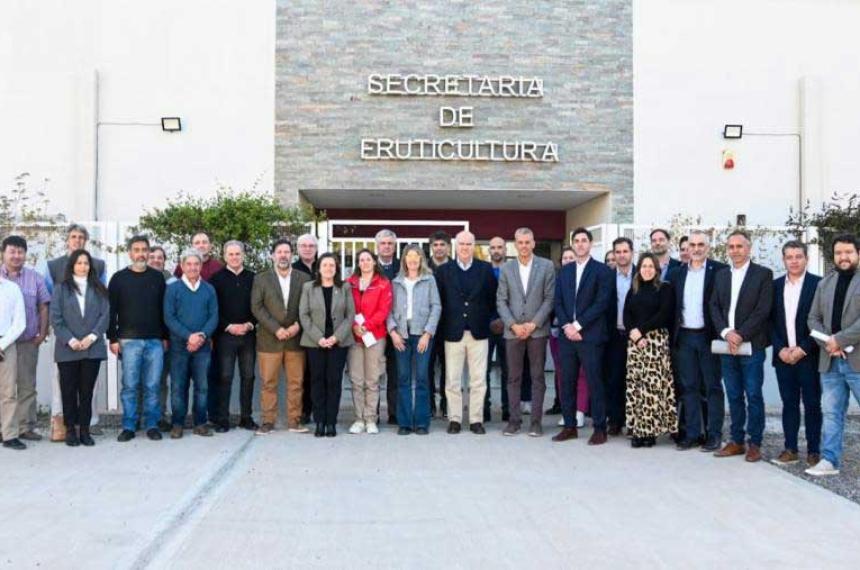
column 287, row 501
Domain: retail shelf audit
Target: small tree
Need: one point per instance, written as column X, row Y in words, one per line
column 24, row 212
column 254, row 218
column 841, row 215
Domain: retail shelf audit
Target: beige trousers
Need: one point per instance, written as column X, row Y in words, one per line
column 28, row 358
column 366, row 366
column 9, row 394
column 474, row 353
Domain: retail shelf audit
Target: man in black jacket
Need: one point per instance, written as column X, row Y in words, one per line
column 467, row 289
column 698, row 369
column 740, row 309
column 386, row 251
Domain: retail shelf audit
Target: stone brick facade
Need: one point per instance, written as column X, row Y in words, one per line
column 581, row 49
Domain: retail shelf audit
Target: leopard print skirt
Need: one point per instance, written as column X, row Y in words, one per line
column 650, row 393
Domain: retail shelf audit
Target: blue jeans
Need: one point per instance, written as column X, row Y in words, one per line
column 836, row 386
column 186, row 367
column 744, row 376
column 142, row 362
column 798, row 381
column 413, row 412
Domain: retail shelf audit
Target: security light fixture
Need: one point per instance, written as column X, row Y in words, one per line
column 171, row 124
column 733, row 131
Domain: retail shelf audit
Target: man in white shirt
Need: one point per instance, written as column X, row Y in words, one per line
column 795, row 355
column 524, row 300
column 12, row 323
column 740, row 309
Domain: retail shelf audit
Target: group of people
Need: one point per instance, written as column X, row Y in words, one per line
column 645, row 346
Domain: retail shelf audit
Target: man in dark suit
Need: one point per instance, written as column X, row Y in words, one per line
column 583, row 294
column 740, row 310
column 661, row 242
column 440, row 250
column 615, row 357
column 702, row 399
column 795, row 354
column 386, row 252
column 467, row 289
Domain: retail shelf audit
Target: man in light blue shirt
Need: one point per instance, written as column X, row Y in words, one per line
column 616, row 349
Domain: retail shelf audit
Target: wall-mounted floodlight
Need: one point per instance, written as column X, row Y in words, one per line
column 733, row 131
column 171, row 124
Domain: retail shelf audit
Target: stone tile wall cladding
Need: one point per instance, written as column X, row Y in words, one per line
column 582, row 49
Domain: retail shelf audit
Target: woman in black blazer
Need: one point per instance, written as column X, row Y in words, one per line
column 79, row 315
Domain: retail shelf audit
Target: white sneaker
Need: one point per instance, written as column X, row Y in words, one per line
column 357, row 427
column 526, row 408
column 580, row 419
column 371, row 428
column 560, row 421
column 821, row 468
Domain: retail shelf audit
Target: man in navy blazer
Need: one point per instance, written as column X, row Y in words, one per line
column 795, row 354
column 698, row 370
column 583, row 294
column 467, row 289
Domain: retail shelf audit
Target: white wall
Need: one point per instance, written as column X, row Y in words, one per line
column 211, row 62
column 699, row 64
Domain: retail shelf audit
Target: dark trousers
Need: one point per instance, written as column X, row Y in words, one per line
column 230, row 350
column 438, row 356
column 796, row 382
column 77, row 382
column 590, row 357
column 616, row 378
column 307, row 400
column 516, row 351
column 497, row 342
column 699, row 377
column 326, row 366
column 391, row 378
column 187, row 368
column 213, row 378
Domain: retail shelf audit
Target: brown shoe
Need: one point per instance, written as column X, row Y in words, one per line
column 58, row 429
column 30, row 435
column 176, row 432
column 566, row 434
column 731, row 449
column 787, row 457
column 597, row 438
column 203, row 430
column 753, row 453
column 813, row 459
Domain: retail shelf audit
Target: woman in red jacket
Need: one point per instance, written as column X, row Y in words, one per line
column 371, row 292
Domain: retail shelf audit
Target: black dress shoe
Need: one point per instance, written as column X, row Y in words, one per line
column 153, row 434
column 221, row 428
column 477, row 428
column 86, row 438
column 649, row 441
column 15, row 444
column 164, row 426
column 421, row 431
column 712, row 444
column 72, row 439
column 636, row 442
column 249, row 424
column 125, row 435
column 330, row 431
column 454, row 427
column 320, row 431
column 404, row 431
column 687, row 444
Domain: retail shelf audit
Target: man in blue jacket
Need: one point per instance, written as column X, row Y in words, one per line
column 191, row 315
column 795, row 354
column 467, row 289
column 583, row 293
